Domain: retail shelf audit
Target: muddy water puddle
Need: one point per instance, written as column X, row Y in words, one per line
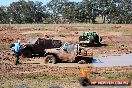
column 110, row 61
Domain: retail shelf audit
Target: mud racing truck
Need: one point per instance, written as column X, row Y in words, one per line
column 69, row 53
column 37, row 46
column 89, row 39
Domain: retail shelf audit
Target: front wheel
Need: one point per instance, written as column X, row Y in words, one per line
column 50, row 59
column 82, row 62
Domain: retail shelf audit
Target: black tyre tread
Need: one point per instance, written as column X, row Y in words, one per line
column 81, row 38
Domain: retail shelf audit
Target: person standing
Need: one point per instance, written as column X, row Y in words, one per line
column 17, row 51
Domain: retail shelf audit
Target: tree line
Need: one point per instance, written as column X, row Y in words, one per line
column 65, row 11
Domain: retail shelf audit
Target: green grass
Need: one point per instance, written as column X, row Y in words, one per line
column 41, row 80
column 109, row 76
column 71, row 78
column 116, row 75
column 36, row 80
column 32, row 80
column 37, row 76
column 6, row 86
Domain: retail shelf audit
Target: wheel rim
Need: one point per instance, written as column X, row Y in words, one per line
column 50, row 60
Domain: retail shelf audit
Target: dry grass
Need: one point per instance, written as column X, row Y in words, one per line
column 78, row 25
column 37, row 80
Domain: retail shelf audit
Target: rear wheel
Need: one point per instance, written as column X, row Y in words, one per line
column 50, row 59
column 91, row 43
column 83, row 44
column 26, row 53
column 81, row 38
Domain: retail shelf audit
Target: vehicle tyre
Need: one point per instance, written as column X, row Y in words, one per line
column 91, row 41
column 81, row 38
column 50, row 59
column 84, row 81
column 82, row 62
column 27, row 53
column 80, row 44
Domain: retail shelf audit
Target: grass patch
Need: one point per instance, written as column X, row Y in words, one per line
column 123, row 31
column 63, row 34
column 116, row 75
column 127, row 32
column 36, row 34
column 72, row 78
column 39, row 76
column 43, row 77
column 92, row 26
column 4, row 46
column 6, row 86
column 109, row 76
column 39, row 80
column 115, row 44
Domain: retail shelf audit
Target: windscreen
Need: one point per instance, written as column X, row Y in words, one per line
column 32, row 40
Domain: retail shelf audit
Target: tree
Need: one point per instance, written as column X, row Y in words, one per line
column 3, row 15
column 63, row 11
column 87, row 11
column 69, row 12
column 26, row 12
column 54, row 7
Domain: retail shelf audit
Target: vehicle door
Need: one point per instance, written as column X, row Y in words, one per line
column 39, row 46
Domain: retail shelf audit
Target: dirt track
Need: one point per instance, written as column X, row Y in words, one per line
column 116, row 40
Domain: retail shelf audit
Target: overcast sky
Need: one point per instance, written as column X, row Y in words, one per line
column 7, row 2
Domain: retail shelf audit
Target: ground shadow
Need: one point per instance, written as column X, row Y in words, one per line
column 96, row 45
column 80, row 59
column 97, row 61
column 77, row 59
